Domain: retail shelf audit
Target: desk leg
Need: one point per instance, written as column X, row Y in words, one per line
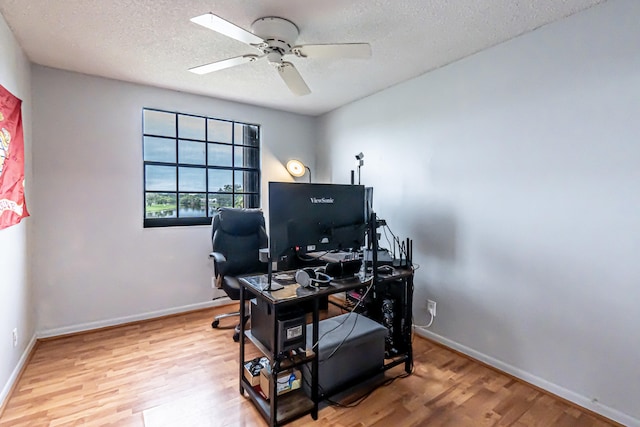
column 314, row 362
column 241, row 342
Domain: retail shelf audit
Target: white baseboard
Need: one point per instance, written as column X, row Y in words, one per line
column 562, row 392
column 96, row 325
column 128, row 319
column 16, row 371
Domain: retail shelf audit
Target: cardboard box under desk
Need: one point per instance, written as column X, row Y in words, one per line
column 287, row 381
column 254, row 380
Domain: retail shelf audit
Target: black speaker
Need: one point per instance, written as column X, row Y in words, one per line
column 343, row 269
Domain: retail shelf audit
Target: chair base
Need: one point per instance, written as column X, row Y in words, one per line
column 236, row 332
column 216, row 320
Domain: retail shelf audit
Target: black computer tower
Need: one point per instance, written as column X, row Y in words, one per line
column 290, row 333
column 390, row 308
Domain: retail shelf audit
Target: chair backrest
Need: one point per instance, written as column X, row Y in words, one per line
column 238, row 234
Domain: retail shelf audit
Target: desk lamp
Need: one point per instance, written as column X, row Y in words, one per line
column 297, row 168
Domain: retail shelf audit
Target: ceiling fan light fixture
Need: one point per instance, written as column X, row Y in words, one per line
column 274, row 58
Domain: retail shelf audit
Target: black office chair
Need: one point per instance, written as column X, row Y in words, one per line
column 237, row 235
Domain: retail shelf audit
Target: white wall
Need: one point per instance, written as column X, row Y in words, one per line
column 95, row 264
column 516, row 173
column 16, row 297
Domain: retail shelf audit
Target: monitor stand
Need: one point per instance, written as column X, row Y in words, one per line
column 271, row 285
column 264, row 255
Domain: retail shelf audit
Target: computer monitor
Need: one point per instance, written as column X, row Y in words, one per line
column 314, row 218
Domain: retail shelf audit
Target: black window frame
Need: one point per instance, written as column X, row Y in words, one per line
column 250, row 197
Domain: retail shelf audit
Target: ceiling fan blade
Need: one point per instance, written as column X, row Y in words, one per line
column 222, row 26
column 225, row 63
column 344, row 50
column 293, row 79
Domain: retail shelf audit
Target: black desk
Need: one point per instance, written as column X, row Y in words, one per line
column 294, row 404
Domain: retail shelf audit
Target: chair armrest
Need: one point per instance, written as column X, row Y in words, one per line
column 219, row 262
column 217, row 257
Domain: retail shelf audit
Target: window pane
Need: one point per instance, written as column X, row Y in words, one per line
column 192, row 179
column 238, row 157
column 191, row 152
column 220, row 131
column 220, row 180
column 159, row 149
column 192, row 205
column 247, row 182
column 191, row 127
column 219, row 201
column 253, row 136
column 239, row 182
column 159, row 123
column 246, row 201
column 251, row 200
column 246, row 134
column 246, row 157
column 219, row 155
column 160, row 205
column 160, row 178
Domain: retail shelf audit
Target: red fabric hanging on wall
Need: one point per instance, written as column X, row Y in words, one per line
column 12, row 201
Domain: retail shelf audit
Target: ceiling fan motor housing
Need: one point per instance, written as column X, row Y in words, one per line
column 279, row 35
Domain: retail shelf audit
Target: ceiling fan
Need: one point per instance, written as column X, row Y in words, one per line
column 275, row 37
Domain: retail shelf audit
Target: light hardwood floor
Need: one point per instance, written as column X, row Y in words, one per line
column 177, row 371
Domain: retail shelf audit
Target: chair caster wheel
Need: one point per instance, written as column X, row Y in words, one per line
column 215, row 324
column 236, row 337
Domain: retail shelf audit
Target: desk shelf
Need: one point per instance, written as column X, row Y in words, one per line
column 291, row 405
column 258, row 344
column 285, row 363
column 279, row 410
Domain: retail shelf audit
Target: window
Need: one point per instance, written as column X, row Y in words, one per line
column 194, row 165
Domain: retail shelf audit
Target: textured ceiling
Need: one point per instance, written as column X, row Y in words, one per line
column 153, row 42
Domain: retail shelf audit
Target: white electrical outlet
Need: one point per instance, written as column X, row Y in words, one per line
column 431, row 307
column 15, row 337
